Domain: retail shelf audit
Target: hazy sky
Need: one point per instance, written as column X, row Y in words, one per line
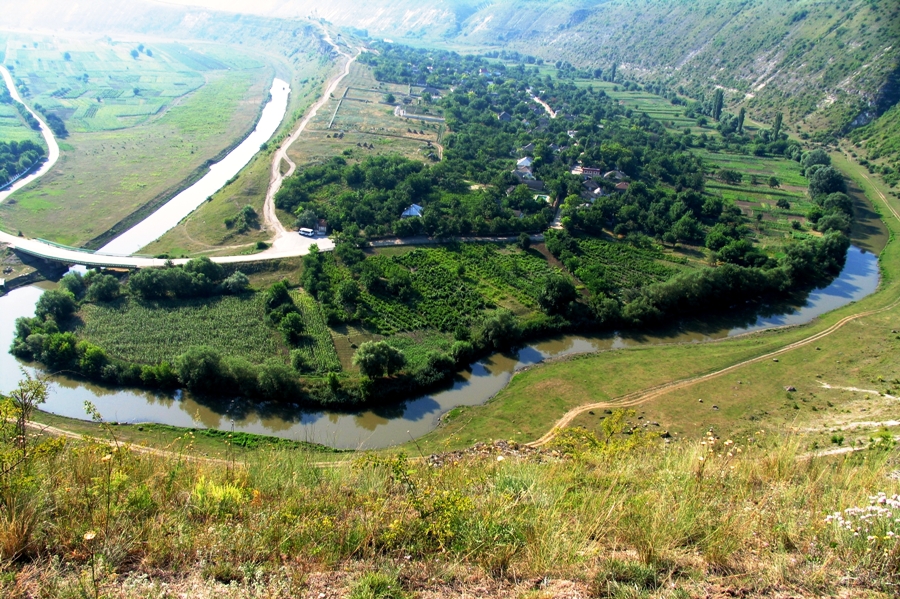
column 263, row 7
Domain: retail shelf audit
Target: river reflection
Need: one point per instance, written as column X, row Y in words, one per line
column 389, row 425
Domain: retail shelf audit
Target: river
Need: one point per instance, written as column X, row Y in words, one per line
column 382, row 427
column 167, row 217
column 52, row 146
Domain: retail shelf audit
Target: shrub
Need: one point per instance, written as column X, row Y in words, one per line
column 103, row 288
column 199, row 368
column 377, row 358
column 377, row 585
column 56, row 304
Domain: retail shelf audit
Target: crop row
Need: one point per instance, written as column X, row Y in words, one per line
column 625, row 266
column 316, row 346
column 152, row 332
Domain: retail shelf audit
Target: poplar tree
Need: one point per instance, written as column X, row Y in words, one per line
column 741, row 115
column 718, row 101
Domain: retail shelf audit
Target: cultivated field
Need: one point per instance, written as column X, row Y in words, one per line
column 138, row 126
column 857, row 355
column 357, row 116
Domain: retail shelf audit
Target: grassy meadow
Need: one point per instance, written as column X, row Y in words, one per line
column 610, row 515
column 204, row 231
column 138, row 127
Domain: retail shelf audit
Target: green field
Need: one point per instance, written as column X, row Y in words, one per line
column 127, row 149
column 13, row 128
column 147, row 332
column 154, row 332
column 204, row 232
column 346, row 123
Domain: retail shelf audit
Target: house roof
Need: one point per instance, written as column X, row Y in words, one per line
column 525, row 162
column 622, row 186
column 413, row 211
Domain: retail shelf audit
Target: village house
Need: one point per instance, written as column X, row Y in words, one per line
column 504, row 117
column 414, row 211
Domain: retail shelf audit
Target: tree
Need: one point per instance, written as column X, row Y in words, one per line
column 612, row 72
column 776, row 128
column 199, row 368
column 103, row 288
column 73, row 282
column 783, row 204
column 67, row 56
column 718, row 102
column 390, row 99
column 732, row 177
column 500, row 329
column 825, row 181
column 741, row 115
column 56, row 304
column 838, row 202
column 556, row 294
column 30, row 393
column 134, row 54
column 377, row 358
column 306, row 220
column 236, row 284
column 834, row 222
column 773, row 182
column 292, row 327
column 817, row 156
column 524, row 241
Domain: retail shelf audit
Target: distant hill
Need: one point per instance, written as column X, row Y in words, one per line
column 836, row 64
column 828, row 65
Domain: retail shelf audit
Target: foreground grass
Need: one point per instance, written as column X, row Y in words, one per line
column 625, row 516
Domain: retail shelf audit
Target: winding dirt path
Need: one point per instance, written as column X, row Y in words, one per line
column 546, row 106
column 277, row 178
column 637, row 398
column 163, row 453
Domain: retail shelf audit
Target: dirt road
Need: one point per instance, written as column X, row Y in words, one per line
column 286, row 240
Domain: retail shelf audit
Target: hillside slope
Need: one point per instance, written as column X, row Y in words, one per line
column 833, row 63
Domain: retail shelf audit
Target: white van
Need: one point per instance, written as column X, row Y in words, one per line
column 307, row 232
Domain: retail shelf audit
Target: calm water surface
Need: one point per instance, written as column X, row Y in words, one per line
column 167, row 217
column 397, row 424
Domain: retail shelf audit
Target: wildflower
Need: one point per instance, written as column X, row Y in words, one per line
column 702, row 458
column 90, row 535
column 500, row 458
column 106, row 458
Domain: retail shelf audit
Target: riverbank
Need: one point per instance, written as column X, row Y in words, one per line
column 752, row 395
